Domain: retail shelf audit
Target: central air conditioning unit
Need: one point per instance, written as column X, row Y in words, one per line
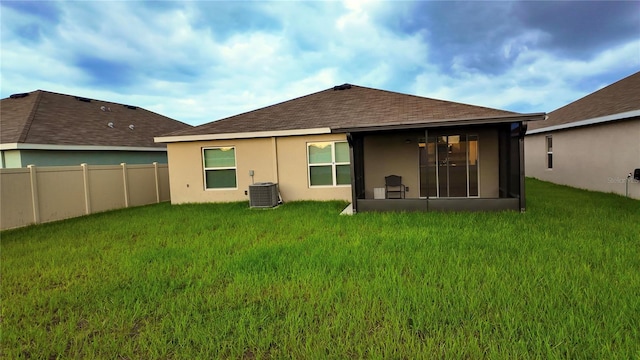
column 263, row 195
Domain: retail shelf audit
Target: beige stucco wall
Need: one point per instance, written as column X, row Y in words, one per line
column 595, row 157
column 293, row 171
column 275, row 159
column 398, row 154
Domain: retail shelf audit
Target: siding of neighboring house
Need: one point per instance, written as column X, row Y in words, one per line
column 597, row 157
column 282, row 160
column 22, row 158
column 10, row 159
column 44, row 128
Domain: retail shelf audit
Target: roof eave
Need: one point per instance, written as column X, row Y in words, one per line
column 241, row 135
column 443, row 123
column 26, row 146
column 593, row 121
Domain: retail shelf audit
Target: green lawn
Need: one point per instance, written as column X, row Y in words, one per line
column 300, row 281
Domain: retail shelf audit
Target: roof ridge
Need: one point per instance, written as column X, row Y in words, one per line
column 32, row 115
column 40, row 92
column 92, row 99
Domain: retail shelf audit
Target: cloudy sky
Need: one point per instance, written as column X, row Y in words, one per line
column 205, row 60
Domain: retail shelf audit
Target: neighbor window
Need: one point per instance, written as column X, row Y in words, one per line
column 219, row 168
column 329, row 163
column 549, row 152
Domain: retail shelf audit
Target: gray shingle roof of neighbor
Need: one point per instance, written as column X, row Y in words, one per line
column 346, row 106
column 43, row 117
column 619, row 97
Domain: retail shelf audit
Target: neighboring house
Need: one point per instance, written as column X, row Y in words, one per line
column 47, row 129
column 592, row 143
column 342, row 142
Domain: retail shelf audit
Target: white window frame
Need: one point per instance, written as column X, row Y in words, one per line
column 205, row 169
column 549, row 151
column 333, row 165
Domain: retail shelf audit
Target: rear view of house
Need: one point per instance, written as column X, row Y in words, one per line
column 48, row 129
column 348, row 142
column 592, row 143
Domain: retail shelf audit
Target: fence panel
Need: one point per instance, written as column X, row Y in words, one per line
column 163, row 182
column 142, row 184
column 60, row 192
column 16, row 203
column 106, row 187
column 42, row 194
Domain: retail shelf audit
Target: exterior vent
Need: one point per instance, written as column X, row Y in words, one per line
column 263, row 195
column 82, row 99
column 130, row 107
column 18, row 96
column 342, row 87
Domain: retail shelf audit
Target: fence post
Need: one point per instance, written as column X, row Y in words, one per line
column 125, row 179
column 34, row 193
column 155, row 171
column 87, row 198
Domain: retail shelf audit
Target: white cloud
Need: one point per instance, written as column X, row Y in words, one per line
column 197, row 70
column 541, row 81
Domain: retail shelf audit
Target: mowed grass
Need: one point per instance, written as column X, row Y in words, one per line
column 223, row 281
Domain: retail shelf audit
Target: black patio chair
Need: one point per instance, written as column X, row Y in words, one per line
column 393, row 187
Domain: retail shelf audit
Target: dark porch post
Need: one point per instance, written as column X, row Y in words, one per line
column 523, row 130
column 426, row 150
column 352, row 168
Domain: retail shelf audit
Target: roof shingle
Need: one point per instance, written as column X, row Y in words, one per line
column 619, row 97
column 355, row 106
column 50, row 118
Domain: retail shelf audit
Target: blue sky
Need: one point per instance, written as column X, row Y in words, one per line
column 202, row 61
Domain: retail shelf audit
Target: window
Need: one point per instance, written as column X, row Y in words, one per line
column 219, row 168
column 549, row 152
column 329, row 163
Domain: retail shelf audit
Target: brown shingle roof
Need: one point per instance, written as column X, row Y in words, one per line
column 356, row 106
column 619, row 97
column 50, row 118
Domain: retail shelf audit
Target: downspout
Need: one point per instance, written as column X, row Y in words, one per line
column 274, row 146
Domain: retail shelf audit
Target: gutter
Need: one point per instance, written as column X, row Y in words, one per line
column 21, row 146
column 593, row 121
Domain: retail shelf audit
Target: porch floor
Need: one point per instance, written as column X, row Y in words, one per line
column 451, row 204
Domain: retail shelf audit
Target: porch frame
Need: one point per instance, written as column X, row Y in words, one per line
column 511, row 190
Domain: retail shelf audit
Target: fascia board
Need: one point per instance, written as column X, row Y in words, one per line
column 22, row 146
column 242, row 135
column 587, row 122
